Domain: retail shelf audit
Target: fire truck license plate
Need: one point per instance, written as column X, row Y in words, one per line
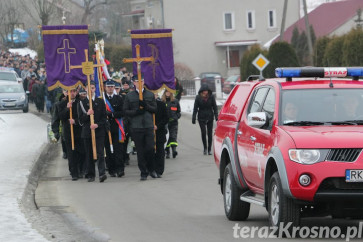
column 354, row 175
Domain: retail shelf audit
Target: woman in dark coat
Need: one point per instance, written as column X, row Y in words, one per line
column 206, row 107
column 161, row 120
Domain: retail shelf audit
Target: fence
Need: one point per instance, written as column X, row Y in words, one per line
column 189, row 87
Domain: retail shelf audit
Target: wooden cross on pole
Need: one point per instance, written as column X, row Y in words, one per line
column 138, row 60
column 87, row 69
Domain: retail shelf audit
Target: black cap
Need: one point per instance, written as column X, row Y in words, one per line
column 109, row 83
column 135, row 79
column 92, row 83
column 82, row 91
column 125, row 81
column 117, row 85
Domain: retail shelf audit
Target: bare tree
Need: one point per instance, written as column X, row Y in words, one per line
column 89, row 7
column 10, row 18
column 44, row 9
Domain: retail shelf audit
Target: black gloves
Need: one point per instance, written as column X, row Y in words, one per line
column 216, row 119
column 193, row 121
column 109, row 114
column 140, row 111
column 142, row 103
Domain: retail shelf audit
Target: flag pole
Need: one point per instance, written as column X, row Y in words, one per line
column 102, row 95
column 71, row 117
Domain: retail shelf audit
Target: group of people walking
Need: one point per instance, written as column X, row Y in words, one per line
column 119, row 117
column 115, row 118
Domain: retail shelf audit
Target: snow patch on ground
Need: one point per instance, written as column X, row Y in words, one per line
column 20, row 142
column 24, row 52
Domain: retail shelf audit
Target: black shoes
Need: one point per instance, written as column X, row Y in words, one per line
column 167, row 155
column 158, row 175
column 153, row 174
column 143, row 178
column 91, row 179
column 103, row 178
column 209, row 152
column 65, row 155
column 112, row 174
column 175, row 153
column 74, row 178
column 205, row 152
column 120, row 174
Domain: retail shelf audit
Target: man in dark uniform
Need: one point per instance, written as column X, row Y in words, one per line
column 140, row 113
column 114, row 110
column 99, row 111
column 161, row 119
column 74, row 156
column 126, row 89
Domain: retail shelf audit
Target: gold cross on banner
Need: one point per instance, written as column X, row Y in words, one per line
column 66, row 51
column 138, row 60
column 87, row 69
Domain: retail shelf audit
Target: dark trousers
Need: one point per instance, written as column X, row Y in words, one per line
column 74, row 156
column 173, row 134
column 206, row 127
column 64, row 147
column 124, row 150
column 91, row 170
column 144, row 142
column 159, row 158
column 114, row 161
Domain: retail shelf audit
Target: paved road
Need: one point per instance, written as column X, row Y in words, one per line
column 184, row 205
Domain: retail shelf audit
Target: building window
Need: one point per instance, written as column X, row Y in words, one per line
column 228, row 19
column 251, row 19
column 272, row 18
column 233, row 58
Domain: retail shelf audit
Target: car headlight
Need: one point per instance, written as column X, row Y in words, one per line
column 22, row 98
column 304, row 156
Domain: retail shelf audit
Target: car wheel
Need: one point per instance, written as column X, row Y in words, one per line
column 26, row 109
column 281, row 209
column 235, row 209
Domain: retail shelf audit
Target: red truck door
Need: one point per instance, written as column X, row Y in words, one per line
column 255, row 143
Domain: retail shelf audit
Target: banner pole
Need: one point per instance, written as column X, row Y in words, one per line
column 71, row 117
column 103, row 95
column 93, row 133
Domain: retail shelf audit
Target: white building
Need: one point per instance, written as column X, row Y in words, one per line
column 211, row 35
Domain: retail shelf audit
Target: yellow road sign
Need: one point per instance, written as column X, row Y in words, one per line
column 260, row 62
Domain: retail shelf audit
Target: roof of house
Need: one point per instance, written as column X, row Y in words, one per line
column 326, row 18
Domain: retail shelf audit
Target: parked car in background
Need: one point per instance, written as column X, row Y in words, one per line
column 8, row 74
column 230, row 82
column 13, row 96
column 208, row 78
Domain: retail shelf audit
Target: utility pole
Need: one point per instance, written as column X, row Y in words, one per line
column 162, row 13
column 283, row 22
column 307, row 26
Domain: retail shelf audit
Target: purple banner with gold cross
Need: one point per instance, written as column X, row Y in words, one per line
column 156, row 43
column 64, row 47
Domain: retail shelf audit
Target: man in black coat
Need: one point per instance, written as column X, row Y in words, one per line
column 99, row 112
column 161, row 119
column 206, row 107
column 140, row 114
column 114, row 111
column 74, row 156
